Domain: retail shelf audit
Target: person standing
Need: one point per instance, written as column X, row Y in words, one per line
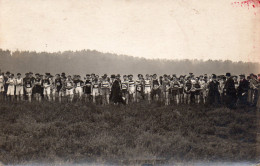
column 230, row 91
column 19, row 87
column 214, row 88
column 242, row 90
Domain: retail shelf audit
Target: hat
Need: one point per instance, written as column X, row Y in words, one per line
column 214, row 76
column 228, row 74
column 18, row 74
column 7, row 72
column 113, row 76
column 37, row 74
column 87, row 75
column 242, row 75
column 190, row 73
column 154, row 74
column 63, row 74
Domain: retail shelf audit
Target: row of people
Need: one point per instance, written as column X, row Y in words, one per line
column 169, row 89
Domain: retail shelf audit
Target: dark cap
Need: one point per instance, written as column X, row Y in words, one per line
column 228, row 74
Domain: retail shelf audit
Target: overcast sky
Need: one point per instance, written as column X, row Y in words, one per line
column 172, row 29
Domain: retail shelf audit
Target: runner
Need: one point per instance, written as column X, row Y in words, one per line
column 125, row 87
column 11, row 87
column 156, row 92
column 28, row 85
column 131, row 88
column 69, row 85
column 19, row 87
column 148, row 87
column 95, row 89
column 78, row 83
column 105, row 90
column 88, row 88
column 58, row 84
column 139, row 87
column 38, row 87
column 175, row 90
column 46, row 83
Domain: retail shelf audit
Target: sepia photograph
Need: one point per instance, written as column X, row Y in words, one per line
column 130, row 82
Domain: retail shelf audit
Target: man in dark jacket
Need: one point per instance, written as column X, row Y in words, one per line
column 214, row 95
column 230, row 91
column 242, row 90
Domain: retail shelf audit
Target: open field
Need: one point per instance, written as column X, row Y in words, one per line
column 78, row 133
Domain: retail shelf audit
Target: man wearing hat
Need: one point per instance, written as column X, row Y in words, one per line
column 19, row 87
column 213, row 95
column 254, row 89
column 242, row 90
column 230, row 91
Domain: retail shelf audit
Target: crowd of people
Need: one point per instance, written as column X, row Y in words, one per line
column 229, row 90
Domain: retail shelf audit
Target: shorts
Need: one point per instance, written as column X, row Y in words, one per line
column 124, row 92
column 38, row 89
column 105, row 91
column 2, row 87
column 156, row 91
column 79, row 90
column 47, row 91
column 69, row 91
column 19, row 90
column 88, row 90
column 95, row 92
column 147, row 90
column 197, row 92
column 10, row 90
column 175, row 92
column 28, row 91
column 131, row 90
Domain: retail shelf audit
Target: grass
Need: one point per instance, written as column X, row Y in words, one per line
column 78, row 133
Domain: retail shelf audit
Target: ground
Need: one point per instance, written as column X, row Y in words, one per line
column 78, row 133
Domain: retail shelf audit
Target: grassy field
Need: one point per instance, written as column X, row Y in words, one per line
column 78, row 133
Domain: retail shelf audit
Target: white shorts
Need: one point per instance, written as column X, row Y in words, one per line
column 131, row 90
column 79, row 90
column 19, row 90
column 47, row 91
column 10, row 90
column 2, row 87
column 147, row 90
column 28, row 91
column 95, row 92
column 69, row 91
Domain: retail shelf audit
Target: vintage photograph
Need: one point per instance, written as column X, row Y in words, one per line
column 130, row 82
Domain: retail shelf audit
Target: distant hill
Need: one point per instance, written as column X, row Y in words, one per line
column 91, row 61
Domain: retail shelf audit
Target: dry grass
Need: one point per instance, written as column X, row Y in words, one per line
column 78, row 133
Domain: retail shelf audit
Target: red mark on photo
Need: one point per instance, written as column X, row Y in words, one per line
column 248, row 4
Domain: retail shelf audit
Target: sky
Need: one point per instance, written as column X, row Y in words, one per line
column 169, row 29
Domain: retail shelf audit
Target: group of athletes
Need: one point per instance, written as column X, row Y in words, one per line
column 170, row 89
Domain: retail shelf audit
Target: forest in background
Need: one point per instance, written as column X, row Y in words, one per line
column 92, row 61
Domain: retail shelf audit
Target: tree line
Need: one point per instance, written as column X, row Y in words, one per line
column 92, row 61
